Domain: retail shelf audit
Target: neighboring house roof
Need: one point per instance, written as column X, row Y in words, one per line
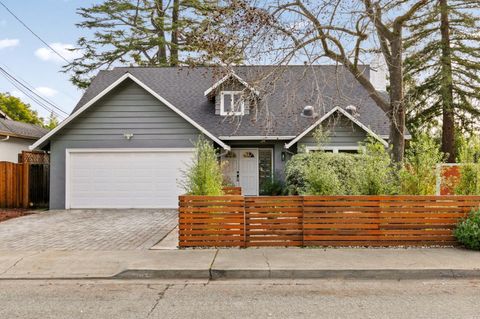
column 19, row 129
column 4, row 115
column 283, row 93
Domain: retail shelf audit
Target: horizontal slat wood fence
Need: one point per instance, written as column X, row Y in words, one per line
column 232, row 190
column 321, row 220
column 13, row 185
column 273, row 221
column 210, row 221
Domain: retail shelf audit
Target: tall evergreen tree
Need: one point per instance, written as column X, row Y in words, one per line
column 442, row 68
column 138, row 32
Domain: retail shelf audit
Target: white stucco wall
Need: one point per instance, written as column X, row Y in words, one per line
column 9, row 149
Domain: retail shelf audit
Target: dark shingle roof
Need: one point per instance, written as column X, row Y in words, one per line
column 20, row 129
column 284, row 92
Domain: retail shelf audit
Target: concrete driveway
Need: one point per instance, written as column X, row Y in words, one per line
column 104, row 229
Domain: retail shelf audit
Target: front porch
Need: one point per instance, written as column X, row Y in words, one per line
column 250, row 166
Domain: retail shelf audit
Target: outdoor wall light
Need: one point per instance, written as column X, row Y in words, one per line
column 128, row 136
column 284, row 156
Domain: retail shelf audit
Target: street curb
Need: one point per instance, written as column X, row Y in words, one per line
column 222, row 274
column 386, row 274
column 163, row 274
column 218, row 274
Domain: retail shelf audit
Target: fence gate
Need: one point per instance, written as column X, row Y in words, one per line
column 24, row 185
column 38, row 185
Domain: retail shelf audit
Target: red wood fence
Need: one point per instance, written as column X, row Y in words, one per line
column 13, row 185
column 232, row 190
column 321, row 220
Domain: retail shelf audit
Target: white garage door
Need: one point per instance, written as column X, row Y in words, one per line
column 125, row 178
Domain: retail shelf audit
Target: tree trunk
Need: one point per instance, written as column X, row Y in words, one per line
column 448, row 123
column 175, row 33
column 160, row 24
column 397, row 103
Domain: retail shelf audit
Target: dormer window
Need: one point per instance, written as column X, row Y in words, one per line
column 232, row 103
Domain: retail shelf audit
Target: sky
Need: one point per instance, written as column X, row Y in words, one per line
column 27, row 58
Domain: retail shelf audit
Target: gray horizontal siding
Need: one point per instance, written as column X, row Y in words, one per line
column 343, row 132
column 127, row 109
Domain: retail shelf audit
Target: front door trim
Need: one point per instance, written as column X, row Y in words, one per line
column 238, row 159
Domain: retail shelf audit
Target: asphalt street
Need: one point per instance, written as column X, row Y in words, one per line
column 240, row 299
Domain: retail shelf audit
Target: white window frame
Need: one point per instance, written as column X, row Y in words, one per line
column 334, row 149
column 222, row 106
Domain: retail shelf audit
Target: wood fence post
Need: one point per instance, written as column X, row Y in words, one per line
column 25, row 185
column 244, row 224
column 303, row 221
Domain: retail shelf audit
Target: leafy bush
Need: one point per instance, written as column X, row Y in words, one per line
column 418, row 174
column 273, row 187
column 376, row 173
column 321, row 179
column 295, row 171
column 204, row 175
column 305, row 171
column 468, row 231
column 469, row 156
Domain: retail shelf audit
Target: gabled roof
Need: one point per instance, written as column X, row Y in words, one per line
column 227, row 77
column 12, row 128
column 97, row 97
column 4, row 115
column 284, row 92
column 326, row 116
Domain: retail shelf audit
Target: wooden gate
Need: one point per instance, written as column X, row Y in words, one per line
column 24, row 185
column 13, row 185
column 38, row 185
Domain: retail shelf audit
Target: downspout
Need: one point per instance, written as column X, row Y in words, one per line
column 5, row 139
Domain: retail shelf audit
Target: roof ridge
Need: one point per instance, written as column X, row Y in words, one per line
column 235, row 66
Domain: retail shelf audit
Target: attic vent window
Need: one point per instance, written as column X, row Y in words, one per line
column 232, row 103
column 309, row 112
column 352, row 109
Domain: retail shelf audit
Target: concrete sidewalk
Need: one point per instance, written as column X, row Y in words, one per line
column 259, row 263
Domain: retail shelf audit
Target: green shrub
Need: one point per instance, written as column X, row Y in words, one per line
column 305, row 171
column 468, row 231
column 377, row 175
column 321, row 179
column 273, row 187
column 204, row 175
column 469, row 157
column 295, row 173
column 418, row 174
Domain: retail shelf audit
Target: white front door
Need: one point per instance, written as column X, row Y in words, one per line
column 241, row 169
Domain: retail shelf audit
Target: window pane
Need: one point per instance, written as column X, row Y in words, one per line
column 238, row 102
column 348, row 151
column 227, row 103
column 265, row 168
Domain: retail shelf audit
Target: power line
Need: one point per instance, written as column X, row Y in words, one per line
column 29, row 93
column 36, row 35
column 30, row 87
column 32, row 91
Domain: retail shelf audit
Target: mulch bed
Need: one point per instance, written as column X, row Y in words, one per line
column 7, row 213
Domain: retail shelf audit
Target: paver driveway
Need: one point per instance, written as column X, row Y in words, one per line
column 88, row 229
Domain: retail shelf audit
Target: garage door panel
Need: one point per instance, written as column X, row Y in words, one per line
column 141, row 179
